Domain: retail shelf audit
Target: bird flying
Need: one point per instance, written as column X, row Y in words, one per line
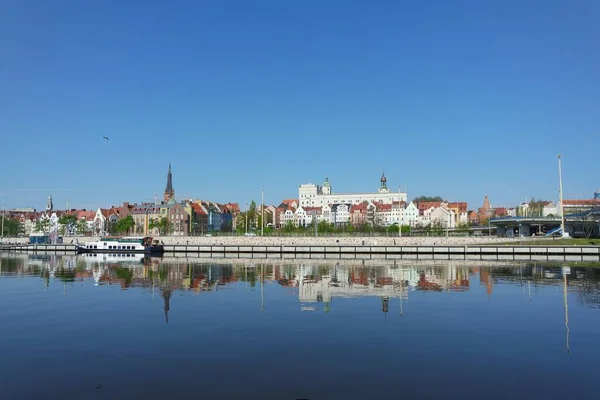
column 105, row 137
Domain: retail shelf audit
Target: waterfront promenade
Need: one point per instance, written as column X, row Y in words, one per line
column 302, row 241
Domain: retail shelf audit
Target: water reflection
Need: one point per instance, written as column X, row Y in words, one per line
column 317, row 282
column 374, row 322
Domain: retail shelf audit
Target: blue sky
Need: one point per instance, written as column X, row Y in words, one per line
column 452, row 98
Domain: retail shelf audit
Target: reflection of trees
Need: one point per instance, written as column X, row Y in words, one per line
column 588, row 289
column 64, row 274
column 125, row 274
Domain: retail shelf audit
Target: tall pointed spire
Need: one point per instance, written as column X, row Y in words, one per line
column 166, row 294
column 169, row 192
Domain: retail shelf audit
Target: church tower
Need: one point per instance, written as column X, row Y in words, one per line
column 49, row 205
column 169, row 192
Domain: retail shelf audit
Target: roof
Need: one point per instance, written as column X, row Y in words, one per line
column 426, row 205
column 461, row 205
column 591, row 202
column 198, row 209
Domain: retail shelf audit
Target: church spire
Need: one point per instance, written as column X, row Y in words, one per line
column 169, row 192
column 166, row 294
column 49, row 205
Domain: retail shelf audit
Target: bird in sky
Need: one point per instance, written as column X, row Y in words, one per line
column 105, row 137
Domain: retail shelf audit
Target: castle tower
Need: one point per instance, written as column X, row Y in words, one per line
column 326, row 186
column 49, row 205
column 383, row 184
column 169, row 192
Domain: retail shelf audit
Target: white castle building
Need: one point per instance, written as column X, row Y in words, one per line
column 311, row 195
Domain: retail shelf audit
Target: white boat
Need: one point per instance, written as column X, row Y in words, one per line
column 126, row 244
column 113, row 258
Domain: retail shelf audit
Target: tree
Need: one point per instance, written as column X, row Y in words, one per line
column 42, row 225
column 289, row 227
column 428, row 198
column 124, row 225
column 12, row 227
column 69, row 223
column 82, row 227
column 589, row 221
column 163, row 225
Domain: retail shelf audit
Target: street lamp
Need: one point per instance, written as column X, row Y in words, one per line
column 399, row 213
column 3, row 221
column 560, row 196
column 262, row 211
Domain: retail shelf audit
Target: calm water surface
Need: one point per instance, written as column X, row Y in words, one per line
column 84, row 328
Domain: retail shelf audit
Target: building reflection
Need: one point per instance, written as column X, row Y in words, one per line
column 317, row 283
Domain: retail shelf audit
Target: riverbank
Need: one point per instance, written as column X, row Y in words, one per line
column 300, row 241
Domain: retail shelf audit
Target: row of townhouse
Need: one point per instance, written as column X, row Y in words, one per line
column 88, row 221
column 184, row 218
column 374, row 213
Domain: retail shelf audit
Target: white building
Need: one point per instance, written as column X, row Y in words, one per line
column 410, row 215
column 443, row 217
column 340, row 214
column 317, row 196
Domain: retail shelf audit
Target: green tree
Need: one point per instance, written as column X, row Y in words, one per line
column 12, row 227
column 325, row 227
column 124, row 225
column 163, row 225
column 69, row 223
column 42, row 225
column 81, row 227
column 428, row 198
column 289, row 227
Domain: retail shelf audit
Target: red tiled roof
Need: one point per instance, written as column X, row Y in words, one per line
column 461, row 205
column 384, row 207
column 358, row 207
column 198, row 209
column 591, row 202
column 425, row 205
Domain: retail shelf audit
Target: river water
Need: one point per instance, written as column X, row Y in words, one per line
column 131, row 328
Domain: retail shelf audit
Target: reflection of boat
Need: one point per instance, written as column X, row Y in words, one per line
column 128, row 244
column 114, row 258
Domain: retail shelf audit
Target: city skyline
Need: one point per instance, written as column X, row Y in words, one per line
column 460, row 100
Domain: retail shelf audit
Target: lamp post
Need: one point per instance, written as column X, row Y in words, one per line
column 246, row 217
column 3, row 221
column 399, row 213
column 262, row 211
column 560, row 196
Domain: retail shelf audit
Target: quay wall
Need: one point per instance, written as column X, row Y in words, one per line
column 297, row 241
column 397, row 252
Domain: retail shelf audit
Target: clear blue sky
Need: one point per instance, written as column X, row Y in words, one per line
column 451, row 98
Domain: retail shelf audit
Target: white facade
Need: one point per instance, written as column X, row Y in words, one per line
column 549, row 209
column 410, row 215
column 442, row 216
column 312, row 195
column 287, row 217
column 340, row 214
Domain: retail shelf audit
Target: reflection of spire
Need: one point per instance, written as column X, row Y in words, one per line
column 401, row 307
column 385, row 304
column 166, row 294
column 566, row 271
column 262, row 280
